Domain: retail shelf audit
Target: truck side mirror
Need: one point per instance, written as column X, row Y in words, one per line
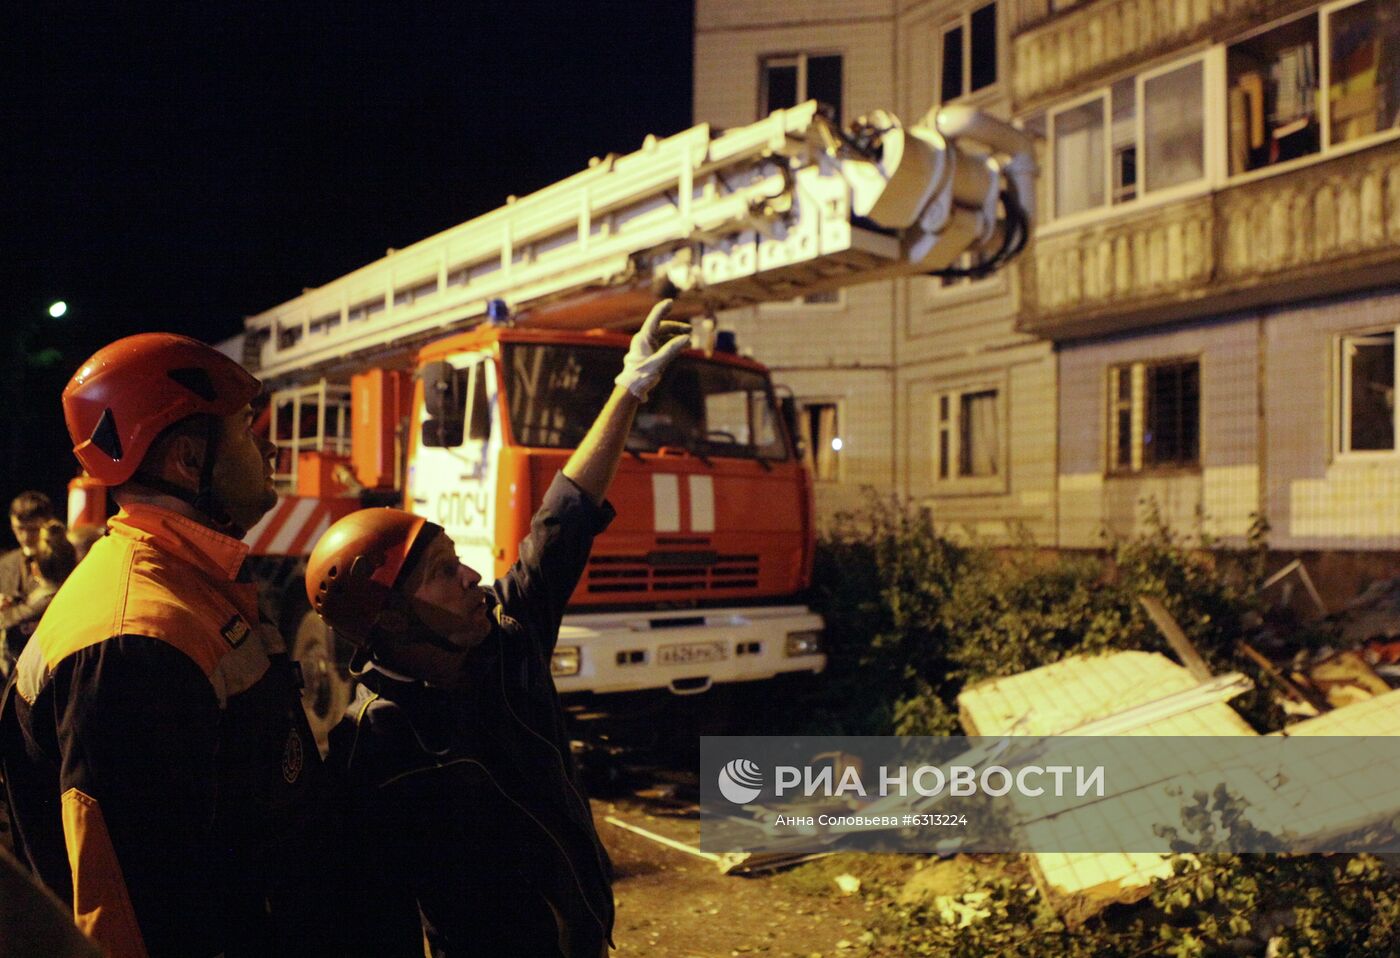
column 445, row 403
column 787, row 405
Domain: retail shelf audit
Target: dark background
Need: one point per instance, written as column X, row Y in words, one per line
column 178, row 167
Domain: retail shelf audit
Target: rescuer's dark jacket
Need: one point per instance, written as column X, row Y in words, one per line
column 16, row 578
column 154, row 737
column 466, row 803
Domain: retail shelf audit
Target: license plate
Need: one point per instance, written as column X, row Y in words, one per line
column 690, row 652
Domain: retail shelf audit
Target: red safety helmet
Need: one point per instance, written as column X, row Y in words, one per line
column 121, row 398
column 354, row 569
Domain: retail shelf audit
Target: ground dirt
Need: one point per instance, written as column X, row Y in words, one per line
column 671, row 904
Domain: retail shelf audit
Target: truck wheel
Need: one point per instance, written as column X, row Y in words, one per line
column 328, row 686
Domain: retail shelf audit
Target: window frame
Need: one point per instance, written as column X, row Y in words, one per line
column 799, row 59
column 1341, row 397
column 1137, row 410
column 1212, row 62
column 954, row 483
column 963, row 19
column 809, row 456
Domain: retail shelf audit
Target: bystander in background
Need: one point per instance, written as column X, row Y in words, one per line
column 28, row 513
column 50, row 562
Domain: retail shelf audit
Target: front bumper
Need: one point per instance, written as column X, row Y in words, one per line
column 684, row 652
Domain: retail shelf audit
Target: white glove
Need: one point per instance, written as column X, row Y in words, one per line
column 655, row 347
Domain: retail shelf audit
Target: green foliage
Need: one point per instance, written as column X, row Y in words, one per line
column 913, row 618
column 1289, row 906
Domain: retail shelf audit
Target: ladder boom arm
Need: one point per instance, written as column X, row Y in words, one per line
column 780, row 208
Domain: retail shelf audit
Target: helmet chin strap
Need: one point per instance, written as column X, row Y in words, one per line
column 201, row 500
column 204, row 499
column 403, row 616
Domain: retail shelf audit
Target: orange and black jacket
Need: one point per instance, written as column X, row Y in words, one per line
column 157, row 760
column 466, row 805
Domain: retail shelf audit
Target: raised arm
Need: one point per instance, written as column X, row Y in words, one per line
column 553, row 555
column 654, row 347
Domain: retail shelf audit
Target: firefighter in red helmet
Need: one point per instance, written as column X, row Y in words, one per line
column 158, row 762
column 466, row 807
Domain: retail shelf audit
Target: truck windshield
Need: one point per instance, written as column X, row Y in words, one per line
column 710, row 408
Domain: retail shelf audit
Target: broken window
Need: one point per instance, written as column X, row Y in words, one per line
column 1367, row 414
column 1154, row 415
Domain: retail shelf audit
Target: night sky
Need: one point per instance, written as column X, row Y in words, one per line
column 188, row 165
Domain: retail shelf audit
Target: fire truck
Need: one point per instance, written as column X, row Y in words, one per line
column 453, row 378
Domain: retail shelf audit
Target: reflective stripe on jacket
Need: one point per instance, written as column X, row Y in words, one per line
column 158, row 761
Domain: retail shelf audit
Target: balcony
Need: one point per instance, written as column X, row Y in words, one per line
column 1326, row 227
column 1059, row 45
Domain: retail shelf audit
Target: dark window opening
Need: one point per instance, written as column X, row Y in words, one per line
column 952, row 86
column 984, row 46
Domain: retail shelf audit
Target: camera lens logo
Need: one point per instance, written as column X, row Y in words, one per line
column 740, row 781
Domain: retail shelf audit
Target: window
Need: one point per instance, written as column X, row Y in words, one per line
column 1173, row 137
column 969, row 54
column 1367, row 393
column 288, row 336
column 1079, row 158
column 1316, row 82
column 786, row 81
column 1154, row 415
column 1142, row 135
column 789, row 80
column 820, row 424
column 967, row 434
column 478, row 404
column 1363, row 92
column 705, row 407
column 1272, row 101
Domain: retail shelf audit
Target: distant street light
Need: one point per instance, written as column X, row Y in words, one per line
column 836, row 444
column 58, row 309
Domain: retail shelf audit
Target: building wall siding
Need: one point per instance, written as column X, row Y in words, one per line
column 900, row 339
column 713, row 15
column 865, row 398
column 727, row 64
column 1317, row 500
column 841, row 352
column 1024, row 500
column 1219, row 498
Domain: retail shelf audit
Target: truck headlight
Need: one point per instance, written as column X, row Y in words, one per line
column 803, row 643
column 565, row 660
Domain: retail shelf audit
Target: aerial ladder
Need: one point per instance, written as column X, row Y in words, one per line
column 787, row 206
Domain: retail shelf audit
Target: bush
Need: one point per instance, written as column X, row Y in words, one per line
column 913, row 617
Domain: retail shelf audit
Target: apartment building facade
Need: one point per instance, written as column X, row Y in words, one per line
column 1218, row 262
column 1207, row 318
column 923, row 387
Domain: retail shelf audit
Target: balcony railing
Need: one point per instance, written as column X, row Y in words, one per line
column 1325, row 228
